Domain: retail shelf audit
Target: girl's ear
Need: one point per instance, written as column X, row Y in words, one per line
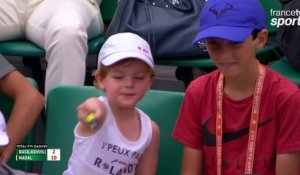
column 261, row 39
column 99, row 80
column 150, row 83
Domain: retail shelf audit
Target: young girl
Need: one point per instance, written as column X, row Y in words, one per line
column 123, row 139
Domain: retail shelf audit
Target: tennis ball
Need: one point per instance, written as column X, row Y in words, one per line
column 90, row 117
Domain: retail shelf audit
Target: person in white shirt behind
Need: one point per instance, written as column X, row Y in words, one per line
column 61, row 27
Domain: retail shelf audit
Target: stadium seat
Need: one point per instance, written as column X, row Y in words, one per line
column 161, row 106
column 285, row 68
column 6, row 108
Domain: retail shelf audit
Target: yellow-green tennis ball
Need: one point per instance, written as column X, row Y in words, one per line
column 90, row 117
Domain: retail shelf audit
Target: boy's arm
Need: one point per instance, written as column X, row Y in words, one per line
column 192, row 161
column 148, row 162
column 288, row 164
column 28, row 104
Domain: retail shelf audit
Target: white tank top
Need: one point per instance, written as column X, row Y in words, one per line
column 108, row 151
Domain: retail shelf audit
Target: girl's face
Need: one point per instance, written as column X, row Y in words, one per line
column 126, row 83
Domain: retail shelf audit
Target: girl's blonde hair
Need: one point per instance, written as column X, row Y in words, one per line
column 102, row 71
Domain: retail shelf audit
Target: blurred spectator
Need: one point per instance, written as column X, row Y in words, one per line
column 28, row 104
column 61, row 27
column 288, row 36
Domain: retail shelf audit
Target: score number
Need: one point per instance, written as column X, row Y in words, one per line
column 53, row 154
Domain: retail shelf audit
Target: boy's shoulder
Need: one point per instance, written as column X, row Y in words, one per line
column 279, row 88
column 280, row 82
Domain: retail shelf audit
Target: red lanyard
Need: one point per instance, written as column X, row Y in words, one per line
column 253, row 121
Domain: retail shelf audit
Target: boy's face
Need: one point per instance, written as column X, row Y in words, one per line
column 233, row 58
column 126, row 83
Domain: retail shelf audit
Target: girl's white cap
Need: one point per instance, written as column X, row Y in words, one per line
column 125, row 45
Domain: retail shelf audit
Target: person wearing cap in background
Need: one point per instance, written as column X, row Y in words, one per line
column 28, row 104
column 242, row 118
column 112, row 135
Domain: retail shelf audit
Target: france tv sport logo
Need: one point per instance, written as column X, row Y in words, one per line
column 285, row 17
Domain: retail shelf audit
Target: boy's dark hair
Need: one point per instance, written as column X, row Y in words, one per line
column 255, row 33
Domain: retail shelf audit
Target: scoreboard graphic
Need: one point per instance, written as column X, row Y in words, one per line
column 36, row 152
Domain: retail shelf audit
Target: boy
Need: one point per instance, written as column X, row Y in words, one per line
column 242, row 118
column 124, row 140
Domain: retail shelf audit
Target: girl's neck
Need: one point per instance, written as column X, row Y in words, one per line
column 123, row 113
column 128, row 122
